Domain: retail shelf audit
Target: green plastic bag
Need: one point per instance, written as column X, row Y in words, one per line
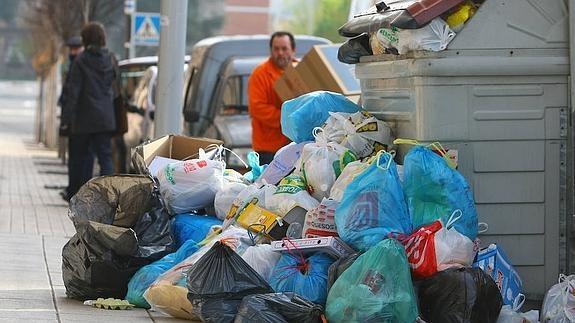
column 376, row 288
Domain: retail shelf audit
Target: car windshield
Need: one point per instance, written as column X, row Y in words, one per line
column 234, row 100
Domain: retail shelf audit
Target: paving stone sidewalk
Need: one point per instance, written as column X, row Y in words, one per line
column 34, row 226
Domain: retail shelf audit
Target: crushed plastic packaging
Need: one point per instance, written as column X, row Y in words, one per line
column 433, row 189
column 109, row 304
column 146, row 275
column 192, row 226
column 559, row 302
column 495, row 263
column 256, row 194
column 373, row 206
column 320, row 221
column 377, row 287
column 303, row 275
column 219, row 281
column 301, row 115
column 278, row 308
column 459, row 295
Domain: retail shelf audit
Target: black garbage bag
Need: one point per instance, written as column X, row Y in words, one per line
column 466, row 295
column 108, row 248
column 353, row 49
column 219, row 281
column 338, row 267
column 278, row 308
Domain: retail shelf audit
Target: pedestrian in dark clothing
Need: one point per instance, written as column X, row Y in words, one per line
column 75, row 47
column 88, row 110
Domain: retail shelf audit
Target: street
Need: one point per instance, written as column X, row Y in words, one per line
column 34, row 224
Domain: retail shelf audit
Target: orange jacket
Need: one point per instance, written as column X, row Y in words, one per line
column 265, row 108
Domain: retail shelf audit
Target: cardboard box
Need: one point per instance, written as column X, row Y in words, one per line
column 318, row 70
column 169, row 146
column 331, row 245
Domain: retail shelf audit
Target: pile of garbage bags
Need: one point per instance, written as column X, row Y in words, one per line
column 403, row 27
column 336, row 228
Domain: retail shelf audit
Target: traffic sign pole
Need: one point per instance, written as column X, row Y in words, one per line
column 168, row 115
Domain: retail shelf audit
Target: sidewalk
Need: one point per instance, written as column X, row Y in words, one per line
column 34, row 226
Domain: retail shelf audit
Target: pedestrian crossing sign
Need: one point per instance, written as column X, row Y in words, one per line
column 146, row 29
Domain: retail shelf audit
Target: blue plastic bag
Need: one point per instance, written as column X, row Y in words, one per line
column 377, row 287
column 306, row 277
column 146, row 275
column 495, row 263
column 192, row 227
column 301, row 115
column 373, row 206
column 434, row 190
column 256, row 169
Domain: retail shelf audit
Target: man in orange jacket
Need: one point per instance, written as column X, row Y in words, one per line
column 264, row 104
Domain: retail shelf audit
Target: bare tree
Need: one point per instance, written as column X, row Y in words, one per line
column 51, row 22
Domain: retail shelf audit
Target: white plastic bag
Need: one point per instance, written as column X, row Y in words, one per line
column 453, row 249
column 350, row 171
column 360, row 132
column 190, row 185
column 559, row 303
column 321, row 163
column 435, row 36
column 225, row 197
column 285, row 160
column 511, row 314
column 262, row 259
column 291, row 192
column 320, row 221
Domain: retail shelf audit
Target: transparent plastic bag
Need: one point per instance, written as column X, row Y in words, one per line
column 511, row 314
column 360, row 132
column 377, row 287
column 321, row 163
column 190, row 185
column 435, row 37
column 559, row 303
column 373, row 206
